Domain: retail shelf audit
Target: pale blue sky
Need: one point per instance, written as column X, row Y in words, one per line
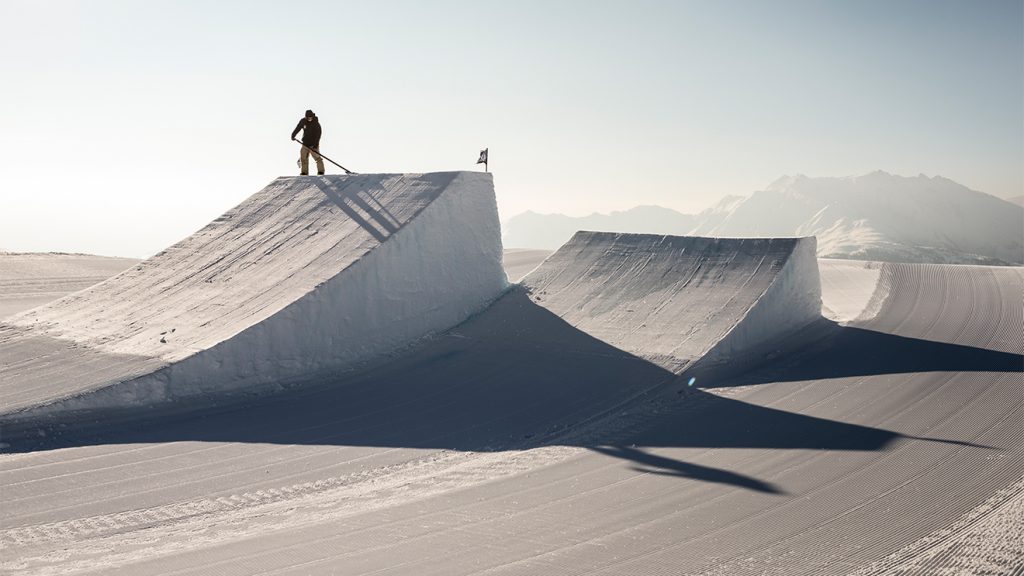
column 126, row 125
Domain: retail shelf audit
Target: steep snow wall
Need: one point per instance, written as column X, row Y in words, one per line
column 675, row 299
column 310, row 274
column 791, row 301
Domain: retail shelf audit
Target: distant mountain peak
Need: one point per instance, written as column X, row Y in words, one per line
column 784, row 182
column 531, row 230
column 874, row 216
column 880, row 174
column 880, row 216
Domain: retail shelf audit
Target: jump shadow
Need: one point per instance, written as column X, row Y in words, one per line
column 835, row 351
column 516, row 376
column 653, row 464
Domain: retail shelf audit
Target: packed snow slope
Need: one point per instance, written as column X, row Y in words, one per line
column 675, row 299
column 309, row 274
column 28, row 280
column 516, row 443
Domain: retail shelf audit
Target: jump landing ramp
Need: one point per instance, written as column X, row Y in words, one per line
column 311, row 274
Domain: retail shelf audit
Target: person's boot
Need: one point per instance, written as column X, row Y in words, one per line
column 319, row 173
column 303, row 173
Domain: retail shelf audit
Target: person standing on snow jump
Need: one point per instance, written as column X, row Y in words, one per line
column 310, row 126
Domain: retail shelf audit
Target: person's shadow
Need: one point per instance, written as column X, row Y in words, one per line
column 356, row 196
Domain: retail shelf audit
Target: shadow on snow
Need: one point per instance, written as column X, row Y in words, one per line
column 518, row 376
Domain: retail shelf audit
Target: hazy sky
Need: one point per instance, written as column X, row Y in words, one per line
column 126, row 125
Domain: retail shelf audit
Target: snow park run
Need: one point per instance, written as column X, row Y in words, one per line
column 336, row 377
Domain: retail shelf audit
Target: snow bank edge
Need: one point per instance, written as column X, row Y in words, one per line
column 791, row 302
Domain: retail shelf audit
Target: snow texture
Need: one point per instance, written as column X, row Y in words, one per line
column 674, row 299
column 791, row 301
column 308, row 275
column 33, row 279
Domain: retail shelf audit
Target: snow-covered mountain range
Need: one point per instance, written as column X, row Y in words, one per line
column 877, row 216
column 549, row 231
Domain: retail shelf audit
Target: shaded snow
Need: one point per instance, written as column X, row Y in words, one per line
column 790, row 302
column 400, row 465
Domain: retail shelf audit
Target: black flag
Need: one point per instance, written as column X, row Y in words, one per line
column 483, row 158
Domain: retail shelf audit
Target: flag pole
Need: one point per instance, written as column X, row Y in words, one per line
column 484, row 158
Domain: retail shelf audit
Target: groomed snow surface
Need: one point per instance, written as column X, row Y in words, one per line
column 434, row 420
column 30, row 280
column 308, row 275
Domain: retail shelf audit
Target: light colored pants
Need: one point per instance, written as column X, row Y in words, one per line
column 304, row 161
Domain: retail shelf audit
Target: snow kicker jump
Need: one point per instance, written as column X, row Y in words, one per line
column 314, row 275
column 310, row 274
column 675, row 299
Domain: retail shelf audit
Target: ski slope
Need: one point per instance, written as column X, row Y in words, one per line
column 555, row 432
column 308, row 275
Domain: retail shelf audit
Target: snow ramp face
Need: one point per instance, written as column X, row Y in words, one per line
column 675, row 299
column 310, row 274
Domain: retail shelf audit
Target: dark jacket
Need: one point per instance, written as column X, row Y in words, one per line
column 310, row 132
